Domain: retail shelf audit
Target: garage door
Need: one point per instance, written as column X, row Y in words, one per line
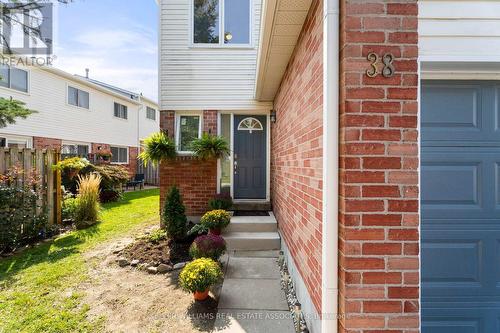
column 460, row 207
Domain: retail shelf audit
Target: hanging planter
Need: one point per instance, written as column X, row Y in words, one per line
column 210, row 147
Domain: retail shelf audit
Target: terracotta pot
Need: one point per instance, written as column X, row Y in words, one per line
column 215, row 232
column 200, row 295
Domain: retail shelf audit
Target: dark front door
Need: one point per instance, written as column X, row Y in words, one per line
column 460, row 207
column 250, row 174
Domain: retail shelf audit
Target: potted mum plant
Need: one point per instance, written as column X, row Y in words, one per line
column 208, row 246
column 198, row 276
column 215, row 221
column 71, row 166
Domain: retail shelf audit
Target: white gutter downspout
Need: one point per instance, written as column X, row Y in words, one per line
column 329, row 294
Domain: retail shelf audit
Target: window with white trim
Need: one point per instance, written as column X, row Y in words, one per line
column 227, row 18
column 119, row 155
column 188, row 129
column 78, row 97
column 18, row 142
column 75, row 149
column 13, row 78
column 150, row 113
column 121, row 111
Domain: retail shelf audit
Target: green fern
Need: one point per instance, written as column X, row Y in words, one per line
column 158, row 147
column 210, row 147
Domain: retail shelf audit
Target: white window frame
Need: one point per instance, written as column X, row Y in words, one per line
column 77, row 143
column 156, row 113
column 178, row 129
column 28, row 83
column 124, row 119
column 128, row 155
column 221, row 43
column 17, row 139
column 68, row 85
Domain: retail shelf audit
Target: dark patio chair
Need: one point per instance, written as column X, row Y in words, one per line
column 138, row 180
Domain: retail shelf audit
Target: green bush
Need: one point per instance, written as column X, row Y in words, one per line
column 22, row 220
column 68, row 209
column 157, row 235
column 158, row 147
column 74, row 163
column 216, row 219
column 200, row 274
column 174, row 218
column 87, row 201
column 210, row 147
column 221, row 201
column 208, row 246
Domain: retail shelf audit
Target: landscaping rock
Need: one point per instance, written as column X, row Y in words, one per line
column 179, row 265
column 163, row 268
column 152, row 270
column 134, row 262
column 122, row 262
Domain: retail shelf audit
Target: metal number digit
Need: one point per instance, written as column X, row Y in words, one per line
column 388, row 69
column 373, row 71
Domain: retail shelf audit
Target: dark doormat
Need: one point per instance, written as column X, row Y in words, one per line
column 250, row 213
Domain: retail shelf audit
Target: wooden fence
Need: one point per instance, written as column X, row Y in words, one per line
column 150, row 172
column 40, row 163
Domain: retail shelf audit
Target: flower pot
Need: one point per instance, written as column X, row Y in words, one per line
column 200, row 295
column 215, row 232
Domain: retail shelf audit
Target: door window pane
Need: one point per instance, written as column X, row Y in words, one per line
column 206, row 21
column 189, row 129
column 225, row 179
column 19, row 79
column 237, row 22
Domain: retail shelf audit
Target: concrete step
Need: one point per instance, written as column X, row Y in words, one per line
column 252, row 240
column 264, row 206
column 252, row 224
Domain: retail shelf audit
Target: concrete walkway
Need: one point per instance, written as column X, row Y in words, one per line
column 251, row 300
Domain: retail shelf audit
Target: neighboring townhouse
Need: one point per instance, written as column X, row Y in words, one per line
column 371, row 128
column 77, row 115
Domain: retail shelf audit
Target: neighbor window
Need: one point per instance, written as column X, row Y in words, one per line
column 121, row 111
column 71, row 149
column 221, row 22
column 120, row 155
column 78, row 97
column 150, row 113
column 13, row 78
column 188, row 129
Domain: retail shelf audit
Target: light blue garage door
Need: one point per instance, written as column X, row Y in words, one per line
column 460, row 207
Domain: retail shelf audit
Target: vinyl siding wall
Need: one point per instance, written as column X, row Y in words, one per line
column 459, row 30
column 204, row 78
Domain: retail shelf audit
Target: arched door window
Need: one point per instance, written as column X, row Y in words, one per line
column 250, row 124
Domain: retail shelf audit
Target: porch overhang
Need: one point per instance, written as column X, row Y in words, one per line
column 281, row 24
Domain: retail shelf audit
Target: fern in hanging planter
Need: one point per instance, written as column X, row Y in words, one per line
column 158, row 147
column 210, row 147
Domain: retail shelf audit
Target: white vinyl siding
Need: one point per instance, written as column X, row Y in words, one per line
column 13, row 78
column 78, row 97
column 150, row 113
column 465, row 31
column 120, row 111
column 120, row 155
column 204, row 78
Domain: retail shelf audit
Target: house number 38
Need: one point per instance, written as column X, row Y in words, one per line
column 387, row 61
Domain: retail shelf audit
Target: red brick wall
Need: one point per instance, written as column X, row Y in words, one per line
column 378, row 227
column 296, row 154
column 197, row 180
column 46, row 143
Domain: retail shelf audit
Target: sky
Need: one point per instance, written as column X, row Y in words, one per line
column 116, row 39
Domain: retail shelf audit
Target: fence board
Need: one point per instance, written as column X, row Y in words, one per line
column 3, row 162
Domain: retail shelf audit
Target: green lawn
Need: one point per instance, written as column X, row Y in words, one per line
column 35, row 285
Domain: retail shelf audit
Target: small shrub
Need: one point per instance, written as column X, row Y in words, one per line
column 200, row 274
column 210, row 147
column 88, row 207
column 174, row 217
column 198, row 229
column 157, row 235
column 216, row 219
column 208, row 246
column 109, row 195
column 68, row 209
column 158, row 147
column 221, row 201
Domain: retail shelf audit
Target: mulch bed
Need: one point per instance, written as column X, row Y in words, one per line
column 164, row 252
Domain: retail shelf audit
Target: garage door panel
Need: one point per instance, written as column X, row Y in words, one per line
column 460, row 177
column 461, row 112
